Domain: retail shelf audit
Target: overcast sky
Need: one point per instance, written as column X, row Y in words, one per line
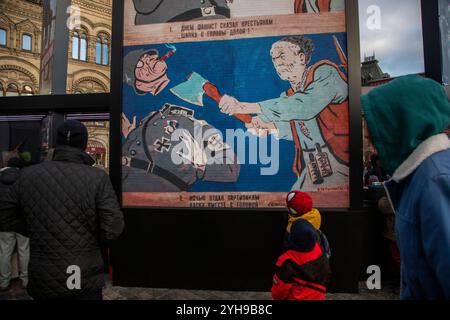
column 398, row 43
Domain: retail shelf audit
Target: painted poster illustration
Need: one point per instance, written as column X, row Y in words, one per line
column 234, row 110
column 167, row 11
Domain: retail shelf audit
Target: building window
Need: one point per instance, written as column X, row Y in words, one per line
column 2, row 92
column 83, row 47
column 27, row 91
column 12, row 90
column 102, row 50
column 98, row 51
column 75, row 46
column 26, row 42
column 79, row 46
column 105, row 52
column 2, row 37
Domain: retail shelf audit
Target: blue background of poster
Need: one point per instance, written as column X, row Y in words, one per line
column 243, row 69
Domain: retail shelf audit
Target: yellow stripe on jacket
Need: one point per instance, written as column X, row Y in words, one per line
column 312, row 217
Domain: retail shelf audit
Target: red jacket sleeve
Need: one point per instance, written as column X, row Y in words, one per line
column 280, row 289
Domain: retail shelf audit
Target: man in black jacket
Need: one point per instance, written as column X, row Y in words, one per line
column 69, row 208
column 12, row 237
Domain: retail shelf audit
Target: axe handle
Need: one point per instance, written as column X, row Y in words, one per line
column 212, row 92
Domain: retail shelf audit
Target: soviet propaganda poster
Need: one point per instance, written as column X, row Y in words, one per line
column 231, row 104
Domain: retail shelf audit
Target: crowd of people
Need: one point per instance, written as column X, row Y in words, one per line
column 67, row 209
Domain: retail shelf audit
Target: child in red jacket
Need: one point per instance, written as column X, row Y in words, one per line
column 300, row 206
column 303, row 270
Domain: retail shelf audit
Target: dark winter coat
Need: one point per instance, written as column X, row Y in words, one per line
column 69, row 207
column 7, row 178
column 301, row 275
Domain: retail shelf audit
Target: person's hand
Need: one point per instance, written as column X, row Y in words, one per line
column 127, row 126
column 260, row 127
column 261, row 124
column 193, row 152
column 230, row 105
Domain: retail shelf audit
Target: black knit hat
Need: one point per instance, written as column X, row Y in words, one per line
column 15, row 163
column 303, row 236
column 72, row 133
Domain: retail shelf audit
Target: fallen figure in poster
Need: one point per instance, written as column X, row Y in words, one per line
column 170, row 150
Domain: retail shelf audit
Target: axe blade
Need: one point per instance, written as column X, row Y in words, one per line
column 191, row 90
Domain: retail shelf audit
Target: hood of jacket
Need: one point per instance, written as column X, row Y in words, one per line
column 429, row 147
column 71, row 154
column 312, row 217
column 403, row 114
column 9, row 175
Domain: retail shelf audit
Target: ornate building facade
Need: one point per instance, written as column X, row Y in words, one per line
column 371, row 73
column 89, row 54
column 20, row 46
column 89, row 67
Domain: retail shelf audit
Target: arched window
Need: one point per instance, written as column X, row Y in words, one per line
column 79, row 46
column 12, row 90
column 2, row 92
column 26, row 42
column 2, row 37
column 27, row 91
column 102, row 50
column 75, row 46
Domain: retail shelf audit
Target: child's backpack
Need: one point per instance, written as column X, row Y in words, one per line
column 324, row 244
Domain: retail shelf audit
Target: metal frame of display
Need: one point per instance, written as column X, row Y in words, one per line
column 432, row 46
column 354, row 82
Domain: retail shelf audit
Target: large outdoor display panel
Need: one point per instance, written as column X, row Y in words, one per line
column 232, row 104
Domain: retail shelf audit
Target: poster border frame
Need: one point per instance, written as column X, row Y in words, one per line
column 355, row 115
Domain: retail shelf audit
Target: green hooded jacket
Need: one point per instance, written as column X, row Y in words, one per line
column 404, row 113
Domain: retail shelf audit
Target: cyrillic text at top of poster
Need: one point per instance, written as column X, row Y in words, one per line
column 160, row 21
